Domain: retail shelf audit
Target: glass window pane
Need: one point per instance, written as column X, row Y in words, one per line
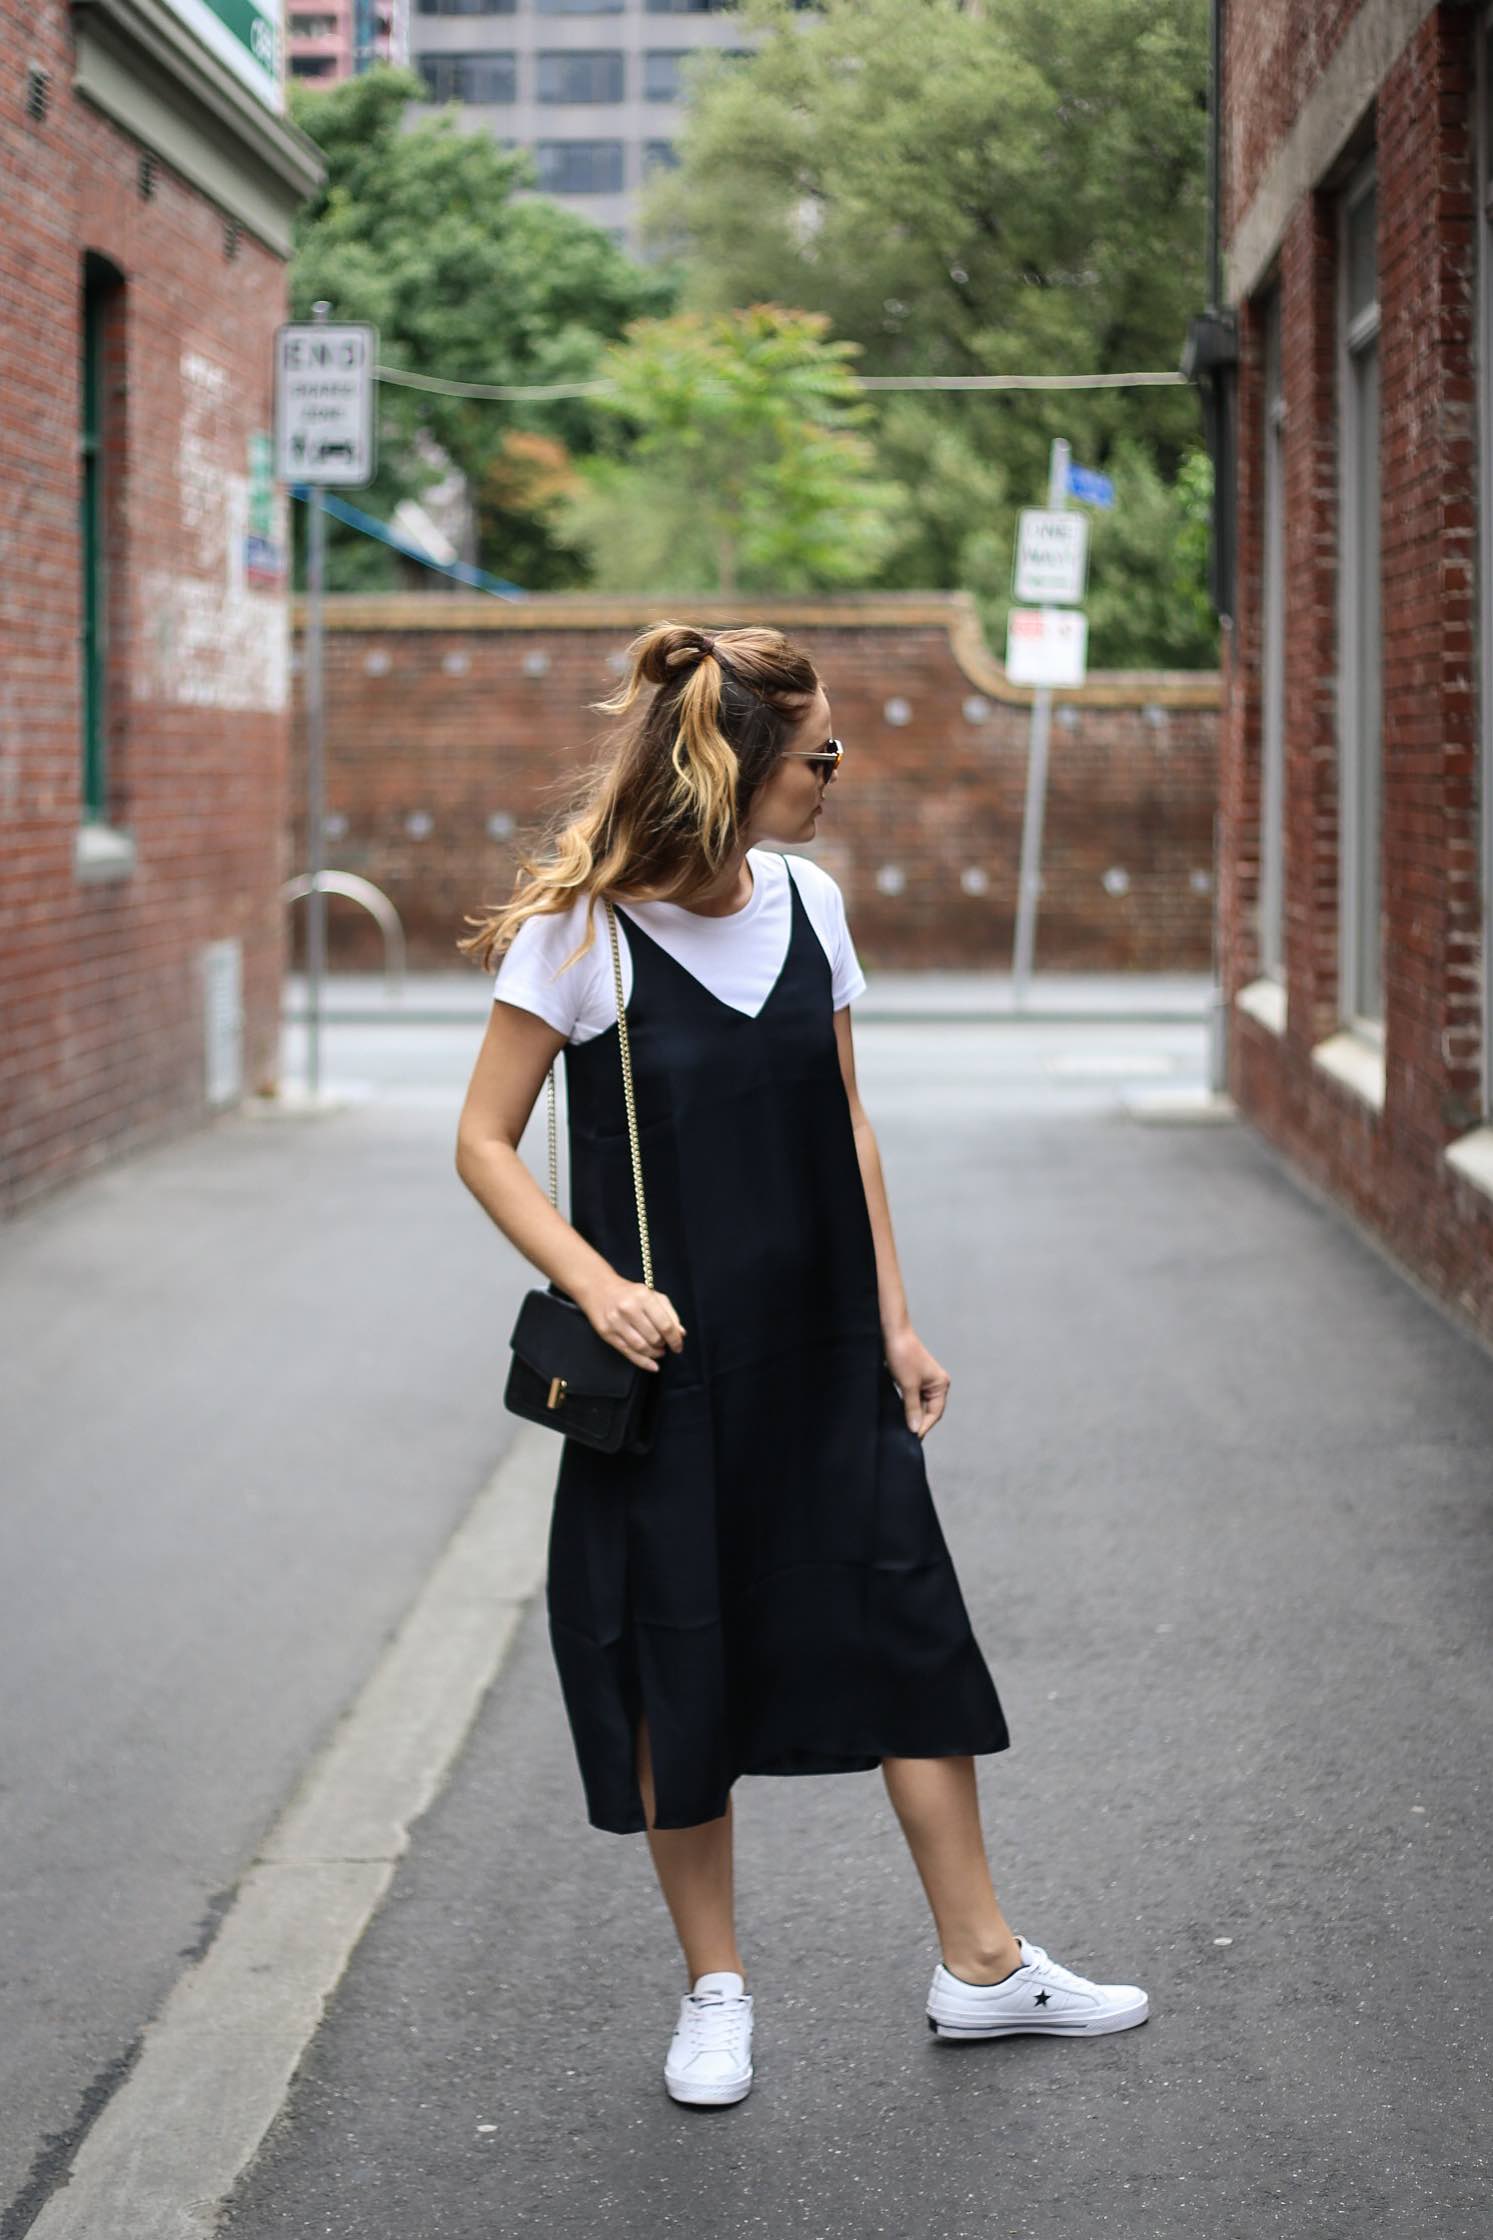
column 483, row 78
column 1270, row 920
column 579, row 166
column 580, row 74
column 1370, row 656
column 661, row 72
column 1363, row 259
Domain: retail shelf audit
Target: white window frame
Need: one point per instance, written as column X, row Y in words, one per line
column 1484, row 145
column 1360, row 764
column 1270, row 923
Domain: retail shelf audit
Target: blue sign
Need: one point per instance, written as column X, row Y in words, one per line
column 1089, row 488
column 264, row 564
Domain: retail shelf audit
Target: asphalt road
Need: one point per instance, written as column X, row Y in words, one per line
column 1217, row 1480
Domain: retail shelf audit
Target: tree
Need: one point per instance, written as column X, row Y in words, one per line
column 740, row 465
column 1014, row 189
column 420, row 230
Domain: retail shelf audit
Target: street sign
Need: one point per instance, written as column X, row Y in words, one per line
column 1089, row 488
column 1052, row 549
column 324, row 425
column 1046, row 646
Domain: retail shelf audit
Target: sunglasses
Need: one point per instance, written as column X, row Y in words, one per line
column 826, row 758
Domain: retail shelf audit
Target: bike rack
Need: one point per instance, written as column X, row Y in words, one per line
column 374, row 901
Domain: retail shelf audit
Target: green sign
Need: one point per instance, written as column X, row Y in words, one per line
column 245, row 34
column 261, row 486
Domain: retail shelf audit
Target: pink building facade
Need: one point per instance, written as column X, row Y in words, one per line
column 322, row 36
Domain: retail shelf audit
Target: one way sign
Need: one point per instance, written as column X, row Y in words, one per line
column 324, row 424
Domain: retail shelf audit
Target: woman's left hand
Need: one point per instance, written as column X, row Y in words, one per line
column 924, row 1385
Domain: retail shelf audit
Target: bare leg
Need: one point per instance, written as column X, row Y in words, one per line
column 694, row 1871
column 938, row 1804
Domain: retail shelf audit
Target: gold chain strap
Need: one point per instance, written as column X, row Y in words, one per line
column 632, row 1117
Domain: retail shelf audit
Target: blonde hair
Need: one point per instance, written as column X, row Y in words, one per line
column 656, row 817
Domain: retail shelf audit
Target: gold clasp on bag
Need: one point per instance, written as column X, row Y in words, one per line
column 557, row 1392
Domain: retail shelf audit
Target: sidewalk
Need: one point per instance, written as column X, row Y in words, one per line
column 439, row 997
column 250, row 1382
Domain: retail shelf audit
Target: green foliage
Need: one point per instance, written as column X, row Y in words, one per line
column 1013, row 189
column 740, row 466
column 418, row 229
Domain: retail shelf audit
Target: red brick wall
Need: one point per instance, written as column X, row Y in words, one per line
column 430, row 710
column 101, row 1013
column 1274, row 54
column 1385, row 1166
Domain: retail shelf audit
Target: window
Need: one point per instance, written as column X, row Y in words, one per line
column 312, row 65
column 1273, row 660
column 580, row 74
column 1359, row 633
column 689, row 7
column 578, row 7
column 579, row 166
column 1485, row 491
column 490, row 77
column 660, row 155
column 312, row 27
column 661, row 72
column 98, row 447
column 468, row 7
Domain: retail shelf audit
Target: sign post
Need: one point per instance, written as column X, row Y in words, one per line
column 1047, row 555
column 324, row 433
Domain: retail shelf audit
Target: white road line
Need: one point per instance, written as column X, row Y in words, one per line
column 166, row 2151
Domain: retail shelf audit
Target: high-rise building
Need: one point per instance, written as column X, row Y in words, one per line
column 325, row 39
column 592, row 87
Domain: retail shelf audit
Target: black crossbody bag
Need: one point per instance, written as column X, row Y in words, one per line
column 563, row 1374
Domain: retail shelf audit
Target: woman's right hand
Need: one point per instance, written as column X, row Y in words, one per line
column 637, row 1321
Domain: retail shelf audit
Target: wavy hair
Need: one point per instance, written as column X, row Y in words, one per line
column 655, row 818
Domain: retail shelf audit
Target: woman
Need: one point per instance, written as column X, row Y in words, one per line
column 767, row 1590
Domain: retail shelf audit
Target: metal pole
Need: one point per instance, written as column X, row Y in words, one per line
column 316, row 901
column 1036, row 778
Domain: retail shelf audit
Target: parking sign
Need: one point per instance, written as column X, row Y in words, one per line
column 324, row 423
column 1052, row 549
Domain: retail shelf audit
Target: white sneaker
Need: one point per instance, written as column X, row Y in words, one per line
column 1040, row 1996
column 710, row 2054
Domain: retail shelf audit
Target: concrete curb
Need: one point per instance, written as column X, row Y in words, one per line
column 165, row 2152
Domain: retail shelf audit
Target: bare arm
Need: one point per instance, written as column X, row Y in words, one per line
column 516, row 1053
column 924, row 1385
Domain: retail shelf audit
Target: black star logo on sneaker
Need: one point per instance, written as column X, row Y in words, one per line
column 1041, row 1998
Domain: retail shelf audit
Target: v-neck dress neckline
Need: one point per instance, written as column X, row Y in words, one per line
column 769, row 1586
column 670, row 963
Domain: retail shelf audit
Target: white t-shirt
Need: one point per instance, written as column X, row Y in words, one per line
column 738, row 957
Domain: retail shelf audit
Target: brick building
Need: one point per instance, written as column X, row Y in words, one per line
column 149, row 186
column 451, row 720
column 1356, row 808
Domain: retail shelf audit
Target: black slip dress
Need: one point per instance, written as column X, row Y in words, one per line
column 769, row 1585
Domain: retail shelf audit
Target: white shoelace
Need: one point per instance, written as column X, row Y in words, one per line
column 715, row 2025
column 1053, row 1970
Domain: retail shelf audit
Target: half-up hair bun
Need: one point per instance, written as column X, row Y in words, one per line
column 660, row 812
column 666, row 652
